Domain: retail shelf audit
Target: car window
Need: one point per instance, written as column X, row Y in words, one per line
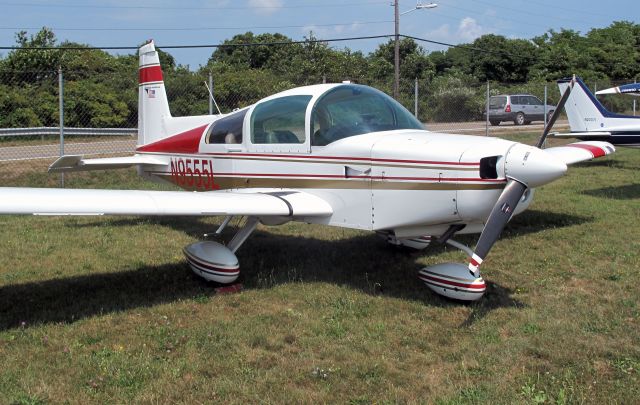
column 534, row 100
column 516, row 100
column 280, row 120
column 497, row 102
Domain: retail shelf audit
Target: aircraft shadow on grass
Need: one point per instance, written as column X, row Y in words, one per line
column 365, row 263
column 626, row 192
column 609, row 163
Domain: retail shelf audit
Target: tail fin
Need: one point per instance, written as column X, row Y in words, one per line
column 153, row 106
column 583, row 109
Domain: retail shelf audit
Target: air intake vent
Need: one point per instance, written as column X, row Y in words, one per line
column 488, row 168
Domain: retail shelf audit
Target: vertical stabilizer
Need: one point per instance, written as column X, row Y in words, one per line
column 153, row 106
column 584, row 111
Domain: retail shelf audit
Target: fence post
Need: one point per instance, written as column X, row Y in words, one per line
column 211, row 98
column 61, row 122
column 415, row 95
column 545, row 104
column 486, row 124
column 634, row 100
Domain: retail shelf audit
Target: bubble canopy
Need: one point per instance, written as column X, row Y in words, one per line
column 351, row 109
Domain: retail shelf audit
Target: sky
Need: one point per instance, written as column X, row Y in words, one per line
column 106, row 23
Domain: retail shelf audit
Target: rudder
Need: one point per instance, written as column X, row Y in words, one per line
column 153, row 105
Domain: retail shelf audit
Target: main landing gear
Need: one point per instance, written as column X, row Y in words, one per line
column 216, row 262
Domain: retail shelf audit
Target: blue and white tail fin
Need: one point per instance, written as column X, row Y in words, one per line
column 587, row 114
column 154, row 117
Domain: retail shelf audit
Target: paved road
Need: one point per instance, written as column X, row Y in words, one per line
column 50, row 151
column 478, row 127
column 125, row 147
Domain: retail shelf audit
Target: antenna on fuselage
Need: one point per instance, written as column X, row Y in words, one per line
column 212, row 98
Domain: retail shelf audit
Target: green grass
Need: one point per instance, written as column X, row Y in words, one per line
column 105, row 310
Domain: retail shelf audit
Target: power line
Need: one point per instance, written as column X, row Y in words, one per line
column 463, row 46
column 202, row 28
column 248, row 44
column 527, row 12
column 96, row 6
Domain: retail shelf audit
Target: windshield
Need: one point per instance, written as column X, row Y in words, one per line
column 353, row 110
column 497, row 102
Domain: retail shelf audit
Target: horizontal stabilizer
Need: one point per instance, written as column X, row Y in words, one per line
column 55, row 201
column 581, row 151
column 75, row 163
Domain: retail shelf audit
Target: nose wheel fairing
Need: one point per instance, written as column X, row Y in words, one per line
column 453, row 280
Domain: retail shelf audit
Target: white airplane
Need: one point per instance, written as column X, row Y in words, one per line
column 590, row 120
column 342, row 154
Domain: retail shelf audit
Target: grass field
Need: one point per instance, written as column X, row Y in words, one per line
column 105, row 310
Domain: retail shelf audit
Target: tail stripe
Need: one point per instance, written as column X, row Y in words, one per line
column 150, row 74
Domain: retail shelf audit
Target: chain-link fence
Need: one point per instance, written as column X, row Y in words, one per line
column 100, row 110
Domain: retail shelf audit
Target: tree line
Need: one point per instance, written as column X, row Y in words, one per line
column 101, row 88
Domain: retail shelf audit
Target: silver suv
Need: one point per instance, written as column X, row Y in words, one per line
column 519, row 108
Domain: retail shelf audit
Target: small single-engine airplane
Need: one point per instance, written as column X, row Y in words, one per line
column 335, row 154
column 590, row 120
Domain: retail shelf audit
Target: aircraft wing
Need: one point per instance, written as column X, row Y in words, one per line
column 54, row 201
column 581, row 151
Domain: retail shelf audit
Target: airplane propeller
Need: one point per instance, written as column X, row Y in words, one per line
column 500, row 215
column 523, row 169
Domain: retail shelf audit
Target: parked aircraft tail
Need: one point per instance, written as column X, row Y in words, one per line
column 587, row 114
column 153, row 106
column 154, row 117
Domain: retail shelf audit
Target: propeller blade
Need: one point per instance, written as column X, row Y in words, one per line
column 500, row 215
column 556, row 113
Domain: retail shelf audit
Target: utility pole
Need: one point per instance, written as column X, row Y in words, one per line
column 396, row 51
column 396, row 55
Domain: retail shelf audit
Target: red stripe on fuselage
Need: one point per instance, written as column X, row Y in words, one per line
column 595, row 151
column 342, row 176
column 185, row 142
column 365, row 159
column 150, row 74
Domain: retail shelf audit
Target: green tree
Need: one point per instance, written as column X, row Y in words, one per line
column 30, row 65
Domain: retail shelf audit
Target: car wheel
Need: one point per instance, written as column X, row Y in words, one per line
column 519, row 119
column 549, row 114
column 527, row 122
column 494, row 122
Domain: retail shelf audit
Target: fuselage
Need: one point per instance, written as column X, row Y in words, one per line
column 413, row 182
